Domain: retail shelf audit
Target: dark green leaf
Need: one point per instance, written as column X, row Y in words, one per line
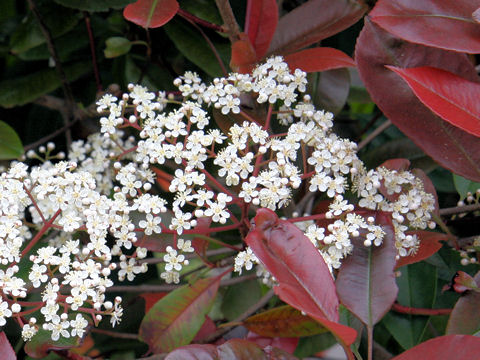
column 194, row 47
column 94, row 5
column 417, row 289
column 240, row 297
column 29, row 34
column 204, row 9
column 10, row 145
column 117, row 46
column 22, row 90
column 310, row 345
column 330, row 89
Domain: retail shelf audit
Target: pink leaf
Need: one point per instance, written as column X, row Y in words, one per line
column 260, row 24
column 465, row 317
column 449, row 96
column 151, row 13
column 421, row 22
column 318, row 59
column 6, row 349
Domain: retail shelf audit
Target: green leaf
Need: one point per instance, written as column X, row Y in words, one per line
column 203, row 9
column 58, row 20
column 94, row 5
column 240, row 297
column 194, row 47
column 117, row 46
column 417, row 288
column 66, row 44
column 22, row 90
column 175, row 319
column 42, row 343
column 10, row 145
column 310, row 345
column 463, row 186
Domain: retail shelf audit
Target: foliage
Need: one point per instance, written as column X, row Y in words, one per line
column 275, row 236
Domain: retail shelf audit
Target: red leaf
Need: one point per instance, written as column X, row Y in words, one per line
column 313, row 21
column 283, row 321
column 240, row 349
column 465, row 317
column 207, row 329
column 243, row 55
column 444, row 348
column 450, row 146
column 463, row 282
column 318, row 59
column 6, row 349
column 286, row 344
column 421, row 22
column 304, row 279
column 151, row 13
column 200, row 245
column 451, row 97
column 366, row 281
column 429, row 245
column 151, row 299
column 260, row 24
column 175, row 320
column 397, row 164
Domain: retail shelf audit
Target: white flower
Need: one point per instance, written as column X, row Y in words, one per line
column 5, row 312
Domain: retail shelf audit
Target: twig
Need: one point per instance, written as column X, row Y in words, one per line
column 115, row 334
column 459, row 209
column 91, row 39
column 229, row 19
column 50, row 136
column 70, row 102
column 419, row 311
column 374, row 134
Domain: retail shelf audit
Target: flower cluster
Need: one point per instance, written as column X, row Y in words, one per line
column 74, row 223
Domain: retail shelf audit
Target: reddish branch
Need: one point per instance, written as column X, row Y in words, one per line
column 419, row 311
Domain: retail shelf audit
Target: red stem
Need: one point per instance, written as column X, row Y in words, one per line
column 39, row 235
column 419, row 311
column 197, row 20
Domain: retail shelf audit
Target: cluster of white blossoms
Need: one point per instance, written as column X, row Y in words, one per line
column 67, row 227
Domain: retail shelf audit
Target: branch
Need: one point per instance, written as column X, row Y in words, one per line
column 459, row 209
column 374, row 134
column 91, row 39
column 229, row 20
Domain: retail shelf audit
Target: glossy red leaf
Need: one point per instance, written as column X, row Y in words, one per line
column 240, row 349
column 449, row 96
column 422, row 21
column 465, row 317
column 304, row 279
column 366, row 281
column 207, row 329
column 6, row 348
column 444, row 348
column 287, row 344
column 430, row 243
column 318, row 59
column 175, row 319
column 260, row 24
column 450, row 146
column 283, row 321
column 151, row 13
column 313, row 21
